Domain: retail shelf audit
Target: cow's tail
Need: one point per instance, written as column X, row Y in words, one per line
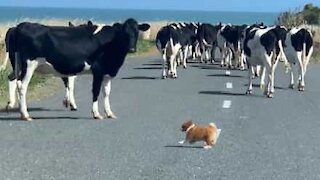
column 15, row 56
column 304, row 54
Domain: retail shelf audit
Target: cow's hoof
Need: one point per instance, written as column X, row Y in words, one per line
column 301, row 88
column 185, row 66
column 73, row 109
column 26, row 118
column 291, row 86
column 249, row 92
column 270, row 95
column 207, row 147
column 111, row 116
column 98, row 117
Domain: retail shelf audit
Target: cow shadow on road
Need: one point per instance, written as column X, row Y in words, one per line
column 222, row 93
column 32, row 109
column 43, row 118
column 276, row 87
column 141, row 78
column 224, row 75
column 147, row 68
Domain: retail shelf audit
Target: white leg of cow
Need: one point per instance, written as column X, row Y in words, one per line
column 5, row 62
column 73, row 105
column 262, row 78
column 96, row 88
column 174, row 73
column 301, row 72
column 31, row 66
column 12, row 94
column 107, row 90
column 185, row 56
column 164, row 64
column 291, row 77
column 250, row 73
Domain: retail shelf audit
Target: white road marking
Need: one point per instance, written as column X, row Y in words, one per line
column 228, row 73
column 229, row 85
column 226, row 104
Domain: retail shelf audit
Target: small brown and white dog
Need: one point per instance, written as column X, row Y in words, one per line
column 209, row 134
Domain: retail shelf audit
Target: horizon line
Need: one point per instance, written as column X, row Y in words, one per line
column 181, row 10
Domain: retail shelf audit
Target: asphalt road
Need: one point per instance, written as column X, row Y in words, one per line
column 261, row 138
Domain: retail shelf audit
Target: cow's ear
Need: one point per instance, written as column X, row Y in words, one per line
column 106, row 35
column 70, row 24
column 90, row 23
column 144, row 27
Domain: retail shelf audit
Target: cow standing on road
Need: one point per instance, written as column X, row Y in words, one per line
column 298, row 49
column 67, row 51
column 264, row 47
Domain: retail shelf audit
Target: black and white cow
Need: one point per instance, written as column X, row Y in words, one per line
column 67, row 51
column 298, row 49
column 173, row 42
column 229, row 40
column 207, row 38
column 69, row 100
column 264, row 47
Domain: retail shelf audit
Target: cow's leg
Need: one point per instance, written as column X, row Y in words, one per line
column 73, row 105
column 268, row 88
column 291, row 77
column 66, row 100
column 174, row 66
column 107, row 90
column 185, row 55
column 242, row 59
column 203, row 53
column 164, row 64
column 31, row 66
column 301, row 72
column 249, row 91
column 96, row 87
column 12, row 91
column 213, row 51
column 5, row 62
column 262, row 78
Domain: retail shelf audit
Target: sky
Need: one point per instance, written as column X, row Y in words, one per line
column 206, row 5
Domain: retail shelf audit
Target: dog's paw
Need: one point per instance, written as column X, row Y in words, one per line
column 207, row 147
column 181, row 142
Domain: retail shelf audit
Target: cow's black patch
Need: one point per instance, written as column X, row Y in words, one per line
column 302, row 36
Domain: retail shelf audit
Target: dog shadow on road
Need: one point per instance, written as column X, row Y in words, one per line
column 183, row 146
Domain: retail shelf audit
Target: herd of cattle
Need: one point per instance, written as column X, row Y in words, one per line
column 258, row 46
column 100, row 50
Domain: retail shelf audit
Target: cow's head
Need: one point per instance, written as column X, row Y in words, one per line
column 131, row 29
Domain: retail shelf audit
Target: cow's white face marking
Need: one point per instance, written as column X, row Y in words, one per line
column 100, row 26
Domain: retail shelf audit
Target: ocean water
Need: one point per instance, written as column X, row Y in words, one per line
column 9, row 14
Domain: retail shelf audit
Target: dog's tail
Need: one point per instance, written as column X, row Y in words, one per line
column 213, row 125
